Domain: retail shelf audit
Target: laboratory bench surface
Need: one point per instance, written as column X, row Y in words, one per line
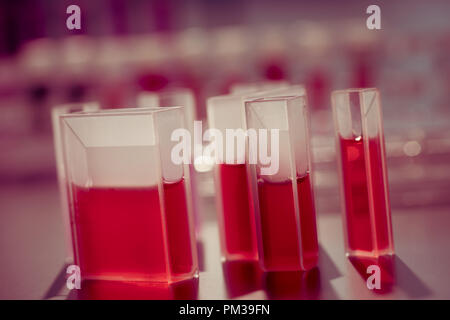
column 32, row 259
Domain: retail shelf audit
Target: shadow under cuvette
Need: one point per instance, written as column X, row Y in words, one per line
column 244, row 277
column 409, row 282
column 394, row 273
column 241, row 277
column 118, row 290
column 328, row 269
column 293, row 284
column 387, row 271
column 57, row 285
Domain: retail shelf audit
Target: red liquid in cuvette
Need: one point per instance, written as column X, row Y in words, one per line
column 178, row 231
column 356, row 193
column 238, row 224
column 120, row 233
column 308, row 227
column 279, row 233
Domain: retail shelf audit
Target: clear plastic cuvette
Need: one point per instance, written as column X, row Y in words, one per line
column 363, row 172
column 234, row 206
column 62, row 183
column 282, row 197
column 130, row 216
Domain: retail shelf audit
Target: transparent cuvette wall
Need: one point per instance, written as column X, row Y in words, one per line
column 363, row 172
column 62, row 182
column 283, row 199
column 234, row 205
column 130, row 213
